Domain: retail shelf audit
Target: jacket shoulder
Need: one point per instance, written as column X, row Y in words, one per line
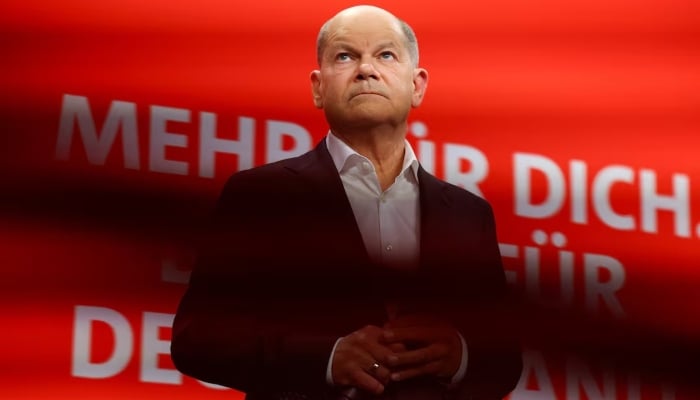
column 456, row 195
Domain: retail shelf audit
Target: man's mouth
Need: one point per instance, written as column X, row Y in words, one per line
column 368, row 93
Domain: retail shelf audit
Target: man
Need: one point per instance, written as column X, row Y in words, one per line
column 350, row 270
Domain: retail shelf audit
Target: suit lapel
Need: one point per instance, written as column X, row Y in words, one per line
column 347, row 269
column 435, row 218
column 326, row 193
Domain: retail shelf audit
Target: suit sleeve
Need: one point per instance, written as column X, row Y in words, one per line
column 495, row 359
column 235, row 325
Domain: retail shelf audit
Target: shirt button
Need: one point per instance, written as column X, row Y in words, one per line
column 389, row 247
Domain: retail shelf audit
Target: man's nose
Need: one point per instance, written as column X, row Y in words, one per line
column 367, row 71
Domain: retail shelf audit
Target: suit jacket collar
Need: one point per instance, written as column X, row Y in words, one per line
column 436, row 216
column 435, row 202
column 316, row 168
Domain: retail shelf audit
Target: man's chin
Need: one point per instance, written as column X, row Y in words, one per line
column 368, row 124
column 367, row 115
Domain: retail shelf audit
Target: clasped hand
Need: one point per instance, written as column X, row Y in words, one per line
column 404, row 348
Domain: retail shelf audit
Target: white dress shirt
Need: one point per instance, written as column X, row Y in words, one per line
column 389, row 221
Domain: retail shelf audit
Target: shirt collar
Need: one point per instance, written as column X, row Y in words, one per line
column 341, row 152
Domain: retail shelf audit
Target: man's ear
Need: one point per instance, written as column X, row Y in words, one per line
column 316, row 88
column 420, row 84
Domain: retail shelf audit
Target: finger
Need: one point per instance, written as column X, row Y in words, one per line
column 358, row 359
column 351, row 359
column 420, row 356
column 379, row 372
column 380, row 352
column 364, row 381
column 368, row 334
column 431, row 368
column 397, row 347
column 361, row 374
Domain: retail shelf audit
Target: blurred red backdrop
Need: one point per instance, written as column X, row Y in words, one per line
column 577, row 120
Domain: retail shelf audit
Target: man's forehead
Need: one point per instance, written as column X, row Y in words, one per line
column 373, row 35
column 364, row 23
column 364, row 13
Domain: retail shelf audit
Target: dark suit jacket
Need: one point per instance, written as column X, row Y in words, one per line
column 284, row 273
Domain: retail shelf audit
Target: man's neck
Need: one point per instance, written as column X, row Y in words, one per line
column 384, row 148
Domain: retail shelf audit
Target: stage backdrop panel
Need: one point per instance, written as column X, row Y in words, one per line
column 121, row 121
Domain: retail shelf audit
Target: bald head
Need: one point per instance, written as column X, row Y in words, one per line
column 359, row 12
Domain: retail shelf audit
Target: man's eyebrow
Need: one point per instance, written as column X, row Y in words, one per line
column 338, row 45
column 341, row 45
column 387, row 45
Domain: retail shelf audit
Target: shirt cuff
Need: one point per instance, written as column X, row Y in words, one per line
column 459, row 375
column 329, row 370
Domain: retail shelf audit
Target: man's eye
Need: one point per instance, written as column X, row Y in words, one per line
column 387, row 55
column 343, row 57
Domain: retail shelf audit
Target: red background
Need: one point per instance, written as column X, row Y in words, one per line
column 608, row 83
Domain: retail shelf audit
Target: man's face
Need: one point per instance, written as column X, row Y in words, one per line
column 367, row 77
